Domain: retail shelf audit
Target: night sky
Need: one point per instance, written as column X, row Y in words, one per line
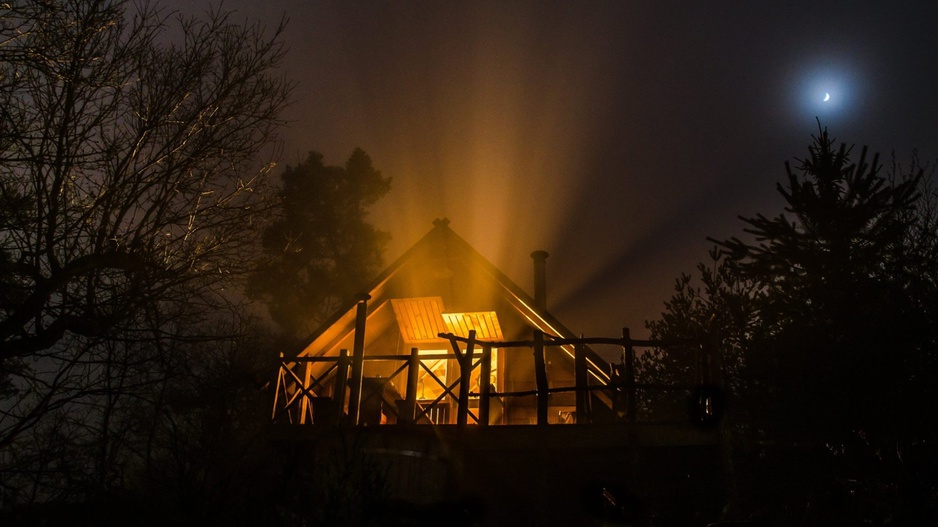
column 616, row 136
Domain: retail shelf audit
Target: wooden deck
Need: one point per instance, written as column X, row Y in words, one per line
column 535, row 475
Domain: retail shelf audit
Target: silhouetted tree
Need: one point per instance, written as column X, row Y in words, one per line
column 320, row 251
column 716, row 306
column 842, row 324
column 133, row 165
column 197, row 449
column 827, row 318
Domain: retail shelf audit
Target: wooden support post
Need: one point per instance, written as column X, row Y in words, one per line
column 540, row 377
column 485, row 384
column 582, row 384
column 631, row 401
column 306, row 404
column 413, row 373
column 358, row 359
column 465, row 376
column 341, row 379
column 280, row 386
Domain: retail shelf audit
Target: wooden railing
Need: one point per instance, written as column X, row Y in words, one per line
column 303, row 397
column 301, row 394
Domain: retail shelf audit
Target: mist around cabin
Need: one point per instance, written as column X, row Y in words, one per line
column 156, row 261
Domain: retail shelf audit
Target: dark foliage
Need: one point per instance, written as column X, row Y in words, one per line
column 129, row 168
column 828, row 330
column 132, row 168
column 844, row 332
column 320, row 252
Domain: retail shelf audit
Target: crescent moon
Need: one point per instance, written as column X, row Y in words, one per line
column 827, row 96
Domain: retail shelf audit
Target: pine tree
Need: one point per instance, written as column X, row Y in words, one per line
column 838, row 316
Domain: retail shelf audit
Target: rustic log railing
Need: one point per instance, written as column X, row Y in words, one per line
column 297, row 400
column 300, row 394
column 622, row 383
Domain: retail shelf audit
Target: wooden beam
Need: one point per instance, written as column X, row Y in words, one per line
column 558, row 341
column 540, row 377
column 582, row 385
column 485, row 384
column 341, row 379
column 465, row 376
column 631, row 403
column 358, row 359
column 410, row 398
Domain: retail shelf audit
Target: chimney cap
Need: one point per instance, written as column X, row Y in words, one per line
column 539, row 255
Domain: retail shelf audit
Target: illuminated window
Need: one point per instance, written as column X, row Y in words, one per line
column 428, row 387
column 477, row 372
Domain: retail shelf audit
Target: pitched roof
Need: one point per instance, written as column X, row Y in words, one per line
column 440, row 239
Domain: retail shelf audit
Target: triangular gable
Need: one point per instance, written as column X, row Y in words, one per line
column 380, row 303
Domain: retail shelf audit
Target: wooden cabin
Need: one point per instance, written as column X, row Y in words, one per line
column 446, row 344
column 396, row 354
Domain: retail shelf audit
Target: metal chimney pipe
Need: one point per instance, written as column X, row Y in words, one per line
column 540, row 278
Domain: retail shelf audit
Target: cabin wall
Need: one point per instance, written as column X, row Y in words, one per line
column 388, row 343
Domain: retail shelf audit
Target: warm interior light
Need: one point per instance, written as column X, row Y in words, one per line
column 485, row 324
column 428, row 389
column 421, row 320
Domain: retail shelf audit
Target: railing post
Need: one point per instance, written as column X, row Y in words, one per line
column 465, row 376
column 582, row 385
column 540, row 377
column 358, row 359
column 410, row 395
column 281, row 385
column 618, row 389
column 341, row 379
column 306, row 404
column 630, row 394
column 485, row 384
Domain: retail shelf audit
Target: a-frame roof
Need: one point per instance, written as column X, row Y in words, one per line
column 440, row 240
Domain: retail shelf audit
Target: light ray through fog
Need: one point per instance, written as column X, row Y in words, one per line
column 508, row 138
column 617, row 137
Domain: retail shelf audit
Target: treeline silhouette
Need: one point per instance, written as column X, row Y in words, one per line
column 826, row 317
column 136, row 154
